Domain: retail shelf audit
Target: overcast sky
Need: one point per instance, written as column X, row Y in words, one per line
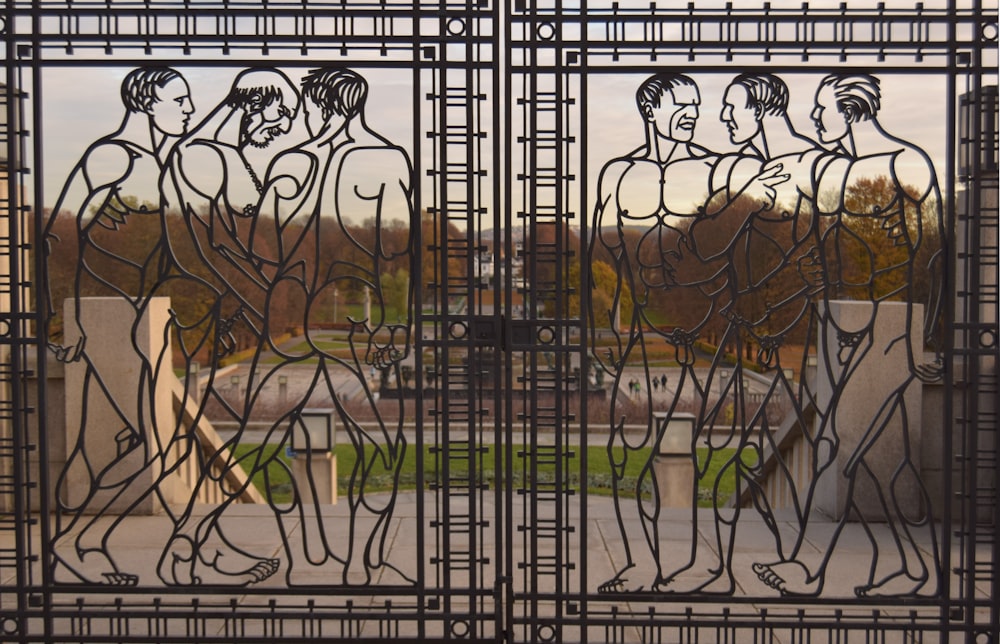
column 913, row 108
column 81, row 104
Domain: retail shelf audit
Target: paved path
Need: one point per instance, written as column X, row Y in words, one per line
column 255, row 528
column 416, row 541
column 594, row 547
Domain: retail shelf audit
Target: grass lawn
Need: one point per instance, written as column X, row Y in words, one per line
column 599, row 478
column 323, row 345
column 356, row 311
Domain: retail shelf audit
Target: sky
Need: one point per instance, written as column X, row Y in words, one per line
column 913, row 109
column 81, row 104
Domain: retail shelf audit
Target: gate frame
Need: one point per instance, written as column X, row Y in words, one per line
column 490, row 46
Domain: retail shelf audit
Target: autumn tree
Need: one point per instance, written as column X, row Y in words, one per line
column 884, row 243
column 435, row 259
column 604, row 282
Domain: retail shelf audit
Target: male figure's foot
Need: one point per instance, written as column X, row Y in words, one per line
column 900, row 584
column 183, row 564
column 616, row 584
column 788, row 577
column 77, row 565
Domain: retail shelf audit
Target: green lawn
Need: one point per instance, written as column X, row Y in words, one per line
column 599, row 478
column 356, row 311
column 322, row 345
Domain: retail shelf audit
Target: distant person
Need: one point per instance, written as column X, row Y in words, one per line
column 113, row 193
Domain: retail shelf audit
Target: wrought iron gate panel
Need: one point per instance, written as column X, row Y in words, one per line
column 559, row 52
column 460, row 334
column 549, row 545
column 975, row 374
column 504, row 330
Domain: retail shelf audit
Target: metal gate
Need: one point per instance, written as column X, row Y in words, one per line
column 528, row 321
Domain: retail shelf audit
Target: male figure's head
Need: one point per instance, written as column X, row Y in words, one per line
column 748, row 99
column 842, row 100
column 669, row 103
column 163, row 94
column 332, row 94
column 269, row 103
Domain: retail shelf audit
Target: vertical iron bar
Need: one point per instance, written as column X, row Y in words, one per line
column 416, row 300
column 506, row 173
column 502, row 314
column 948, row 342
column 13, row 469
column 41, row 332
column 971, row 322
column 585, row 348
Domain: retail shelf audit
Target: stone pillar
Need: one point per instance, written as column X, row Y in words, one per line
column 674, row 480
column 51, row 393
column 673, row 464
column 115, row 431
column 319, row 470
column 933, row 468
column 879, row 376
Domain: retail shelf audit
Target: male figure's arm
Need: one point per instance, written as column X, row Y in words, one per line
column 206, row 175
column 745, row 188
column 919, row 180
column 285, row 206
column 86, row 201
column 200, row 175
column 605, row 236
column 385, row 196
column 934, row 313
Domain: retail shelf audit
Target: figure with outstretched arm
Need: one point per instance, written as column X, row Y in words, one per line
column 217, row 184
column 656, row 190
column 761, row 225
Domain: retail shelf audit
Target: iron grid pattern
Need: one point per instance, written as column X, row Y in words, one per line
column 558, row 50
column 505, row 562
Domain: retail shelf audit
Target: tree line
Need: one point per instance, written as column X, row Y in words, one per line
column 111, row 242
column 759, row 252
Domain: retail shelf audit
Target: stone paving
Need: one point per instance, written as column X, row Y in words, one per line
column 596, row 548
column 138, row 543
